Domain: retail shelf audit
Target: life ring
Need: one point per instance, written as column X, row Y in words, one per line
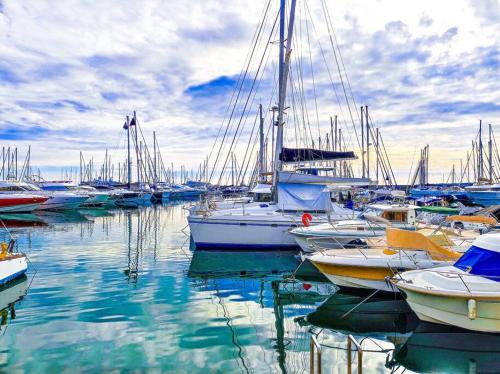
column 306, row 219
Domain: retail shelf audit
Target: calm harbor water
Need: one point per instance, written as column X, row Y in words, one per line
column 122, row 290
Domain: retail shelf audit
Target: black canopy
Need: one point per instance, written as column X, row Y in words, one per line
column 309, row 154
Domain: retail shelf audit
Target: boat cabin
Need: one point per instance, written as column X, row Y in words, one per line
column 396, row 214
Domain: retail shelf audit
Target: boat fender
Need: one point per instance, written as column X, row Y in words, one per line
column 471, row 304
column 3, row 252
column 306, row 219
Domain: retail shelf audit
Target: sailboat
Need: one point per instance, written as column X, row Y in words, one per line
column 267, row 225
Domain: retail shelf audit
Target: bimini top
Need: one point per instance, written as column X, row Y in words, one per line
column 483, row 257
column 310, row 154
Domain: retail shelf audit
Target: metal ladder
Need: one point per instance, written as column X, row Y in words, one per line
column 315, row 350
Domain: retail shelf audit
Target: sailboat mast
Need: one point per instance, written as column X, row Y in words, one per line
column 129, row 166
column 137, row 151
column 284, row 63
column 261, row 144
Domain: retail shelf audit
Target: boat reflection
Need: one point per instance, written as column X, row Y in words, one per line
column 22, row 220
column 215, row 264
column 374, row 316
column 61, row 217
column 11, row 293
column 261, row 281
column 437, row 348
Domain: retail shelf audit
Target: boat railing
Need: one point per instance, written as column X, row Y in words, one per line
column 315, row 348
column 316, row 353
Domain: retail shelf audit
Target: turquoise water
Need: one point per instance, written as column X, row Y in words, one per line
column 122, row 290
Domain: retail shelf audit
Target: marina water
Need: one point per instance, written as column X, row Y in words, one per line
column 123, row 290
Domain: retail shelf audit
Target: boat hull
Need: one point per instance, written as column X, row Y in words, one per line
column 12, row 268
column 242, row 234
column 21, row 208
column 485, row 198
column 368, row 278
column 63, row 202
column 447, row 310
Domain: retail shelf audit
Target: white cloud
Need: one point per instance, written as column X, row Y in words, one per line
column 112, row 57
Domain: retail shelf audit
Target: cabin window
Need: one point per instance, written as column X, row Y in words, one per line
column 11, row 188
column 395, row 216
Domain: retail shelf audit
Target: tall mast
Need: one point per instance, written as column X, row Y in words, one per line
column 129, row 162
column 261, row 144
column 480, row 154
column 490, row 153
column 284, row 63
column 137, row 151
column 362, row 143
column 367, row 143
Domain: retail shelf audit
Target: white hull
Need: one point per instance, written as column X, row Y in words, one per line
column 24, row 208
column 358, row 283
column 63, row 202
column 310, row 245
column 454, row 312
column 12, row 268
column 243, row 234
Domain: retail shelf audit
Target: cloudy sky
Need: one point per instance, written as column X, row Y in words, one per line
column 71, row 70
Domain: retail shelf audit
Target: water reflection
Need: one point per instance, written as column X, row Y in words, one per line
column 358, row 314
column 434, row 348
column 10, row 294
column 120, row 290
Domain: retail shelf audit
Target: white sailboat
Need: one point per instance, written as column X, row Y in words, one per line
column 267, row 225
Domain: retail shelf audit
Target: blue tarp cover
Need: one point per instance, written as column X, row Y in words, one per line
column 300, row 196
column 481, row 261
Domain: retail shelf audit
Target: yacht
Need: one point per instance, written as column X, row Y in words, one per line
column 13, row 201
column 95, row 198
column 54, row 200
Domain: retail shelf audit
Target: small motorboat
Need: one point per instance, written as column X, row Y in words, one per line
column 466, row 295
column 371, row 223
column 12, row 265
column 371, row 267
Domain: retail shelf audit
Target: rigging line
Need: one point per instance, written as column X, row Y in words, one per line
column 338, row 69
column 242, row 115
column 301, row 92
column 342, row 60
column 312, row 72
column 339, row 103
column 249, row 95
column 300, row 100
column 265, row 117
column 240, row 90
column 251, row 105
column 264, row 11
column 248, row 147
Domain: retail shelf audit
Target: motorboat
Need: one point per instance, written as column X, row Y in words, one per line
column 54, row 200
column 264, row 226
column 20, row 203
column 95, row 197
column 466, row 294
column 484, row 194
column 181, row 191
column 12, row 264
column 369, row 268
column 371, row 223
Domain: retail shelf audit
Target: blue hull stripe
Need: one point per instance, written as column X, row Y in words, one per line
column 290, row 225
column 245, row 247
column 12, row 276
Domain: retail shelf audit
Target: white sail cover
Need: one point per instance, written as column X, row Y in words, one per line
column 300, row 196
